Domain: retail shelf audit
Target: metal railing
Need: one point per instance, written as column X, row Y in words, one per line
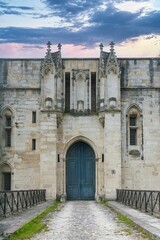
column 144, row 200
column 15, row 201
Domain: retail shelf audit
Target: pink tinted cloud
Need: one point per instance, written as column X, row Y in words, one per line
column 79, row 51
column 148, row 46
column 15, row 50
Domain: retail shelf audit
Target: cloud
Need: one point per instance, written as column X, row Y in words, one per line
column 119, row 25
column 32, row 46
column 9, row 12
column 102, row 25
column 71, row 7
column 6, row 9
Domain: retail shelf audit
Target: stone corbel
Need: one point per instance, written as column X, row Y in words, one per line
column 102, row 119
column 59, row 119
column 113, row 69
column 48, row 105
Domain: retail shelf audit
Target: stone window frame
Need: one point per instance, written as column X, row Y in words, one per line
column 34, row 144
column 7, row 128
column 135, row 150
column 34, row 117
column 133, row 129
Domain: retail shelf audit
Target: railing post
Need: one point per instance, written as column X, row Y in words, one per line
column 5, row 203
column 151, row 203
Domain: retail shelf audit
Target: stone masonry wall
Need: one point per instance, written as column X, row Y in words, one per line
column 20, row 92
column 141, row 87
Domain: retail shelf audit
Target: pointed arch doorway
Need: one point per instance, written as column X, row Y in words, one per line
column 80, row 172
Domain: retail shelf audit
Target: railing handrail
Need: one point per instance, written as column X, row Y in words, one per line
column 28, row 190
column 138, row 190
column 16, row 200
column 144, row 200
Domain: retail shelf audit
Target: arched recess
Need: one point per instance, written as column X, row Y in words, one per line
column 86, row 156
column 135, row 107
column 5, row 176
column 80, row 172
column 6, row 130
column 84, row 139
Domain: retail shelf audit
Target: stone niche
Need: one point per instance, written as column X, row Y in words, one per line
column 81, row 89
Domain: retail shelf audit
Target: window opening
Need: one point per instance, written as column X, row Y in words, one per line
column 133, row 130
column 6, row 181
column 33, row 144
column 93, row 91
column 67, row 91
column 33, row 117
column 8, row 131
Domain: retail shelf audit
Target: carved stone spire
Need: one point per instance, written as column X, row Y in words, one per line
column 59, row 46
column 103, row 61
column 101, row 46
column 112, row 47
column 47, row 64
column 112, row 63
column 49, row 47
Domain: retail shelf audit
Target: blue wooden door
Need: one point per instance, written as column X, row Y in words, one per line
column 80, row 172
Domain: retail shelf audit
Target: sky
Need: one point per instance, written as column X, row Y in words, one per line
column 80, row 26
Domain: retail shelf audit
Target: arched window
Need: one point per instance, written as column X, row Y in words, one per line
column 7, row 118
column 134, row 131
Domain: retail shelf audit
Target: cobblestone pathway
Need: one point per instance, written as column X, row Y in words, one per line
column 85, row 220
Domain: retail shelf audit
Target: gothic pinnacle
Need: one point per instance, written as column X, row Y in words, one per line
column 112, row 47
column 59, row 46
column 101, row 46
column 49, row 47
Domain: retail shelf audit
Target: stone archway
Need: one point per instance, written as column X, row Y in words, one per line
column 80, row 172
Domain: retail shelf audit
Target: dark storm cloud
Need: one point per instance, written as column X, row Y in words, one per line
column 33, row 36
column 71, row 8
column 66, row 8
column 119, row 25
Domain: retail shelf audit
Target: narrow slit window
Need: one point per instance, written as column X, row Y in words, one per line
column 34, row 117
column 33, row 144
column 67, row 91
column 8, row 131
column 133, row 136
column 93, row 91
column 8, row 121
column 133, row 121
column 133, row 130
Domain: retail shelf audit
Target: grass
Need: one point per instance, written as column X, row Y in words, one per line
column 34, row 226
column 122, row 218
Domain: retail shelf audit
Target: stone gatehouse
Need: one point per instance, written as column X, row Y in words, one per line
column 80, row 128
